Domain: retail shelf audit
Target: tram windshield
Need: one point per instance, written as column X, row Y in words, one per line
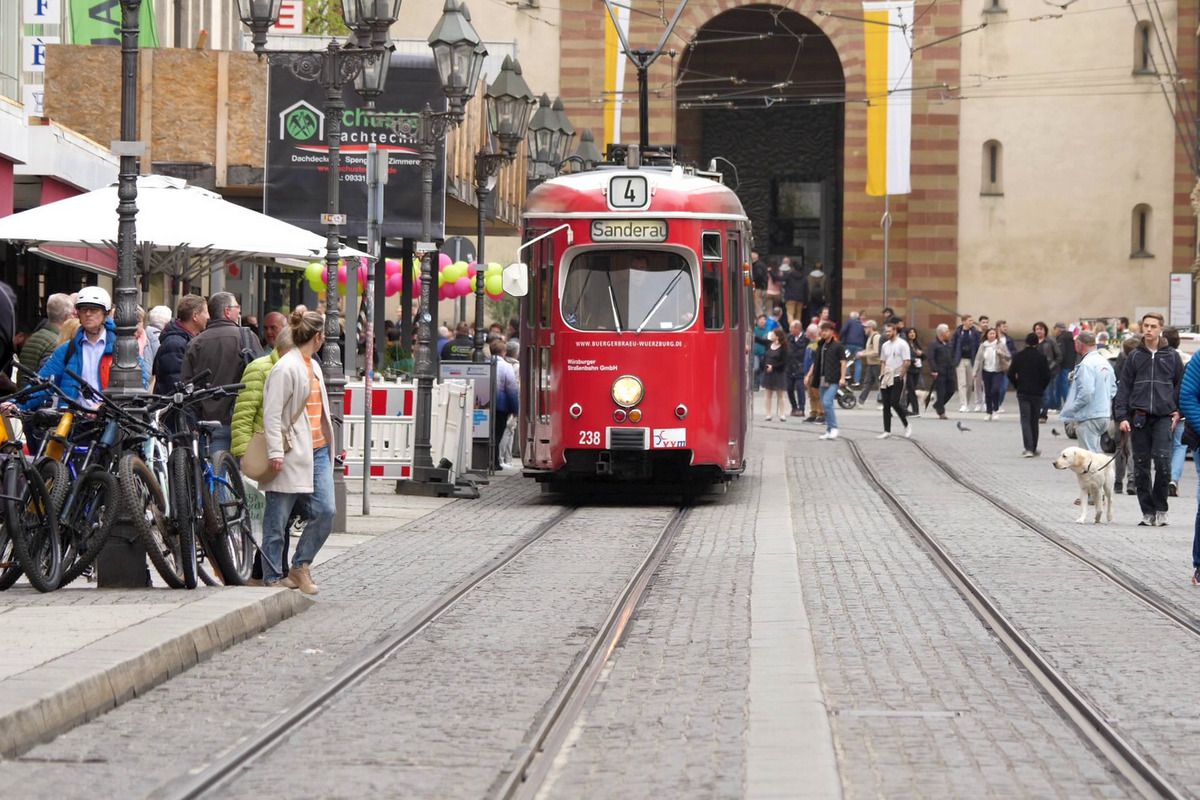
column 629, row 290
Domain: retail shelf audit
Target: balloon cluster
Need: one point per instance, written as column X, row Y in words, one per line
column 460, row 278
column 455, row 279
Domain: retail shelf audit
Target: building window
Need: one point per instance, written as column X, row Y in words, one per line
column 993, row 168
column 1143, row 54
column 1139, row 239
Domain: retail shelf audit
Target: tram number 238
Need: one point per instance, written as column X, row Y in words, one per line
column 590, row 438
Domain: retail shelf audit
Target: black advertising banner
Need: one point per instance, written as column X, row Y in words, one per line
column 297, row 156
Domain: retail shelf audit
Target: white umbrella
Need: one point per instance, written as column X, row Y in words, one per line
column 171, row 216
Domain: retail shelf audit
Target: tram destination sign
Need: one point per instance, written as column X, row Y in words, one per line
column 629, row 230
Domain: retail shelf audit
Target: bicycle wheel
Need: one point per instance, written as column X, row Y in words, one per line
column 147, row 507
column 58, row 481
column 228, row 521
column 10, row 569
column 32, row 525
column 88, row 517
column 183, row 512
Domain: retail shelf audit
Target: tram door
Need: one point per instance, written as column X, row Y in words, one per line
column 739, row 377
column 538, row 353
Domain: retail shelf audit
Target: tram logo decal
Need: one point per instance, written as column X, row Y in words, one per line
column 667, row 438
column 629, row 230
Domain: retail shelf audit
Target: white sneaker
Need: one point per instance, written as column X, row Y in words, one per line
column 768, row 419
column 963, row 408
column 825, row 436
column 883, row 435
column 833, row 434
column 1000, row 410
column 908, row 431
column 978, row 408
column 991, row 417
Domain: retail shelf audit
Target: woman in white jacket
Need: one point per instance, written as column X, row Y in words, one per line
column 299, row 433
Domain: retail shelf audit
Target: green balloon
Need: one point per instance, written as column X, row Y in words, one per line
column 493, row 284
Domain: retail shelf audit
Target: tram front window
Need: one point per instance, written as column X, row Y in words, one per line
column 629, row 290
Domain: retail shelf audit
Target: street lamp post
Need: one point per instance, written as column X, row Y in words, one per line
column 126, row 378
column 550, row 137
column 458, row 54
column 509, row 103
column 333, row 68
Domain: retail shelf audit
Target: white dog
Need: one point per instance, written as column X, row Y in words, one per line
column 1096, row 476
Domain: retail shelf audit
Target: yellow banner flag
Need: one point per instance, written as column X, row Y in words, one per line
column 888, row 39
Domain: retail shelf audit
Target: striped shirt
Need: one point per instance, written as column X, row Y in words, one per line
column 313, row 408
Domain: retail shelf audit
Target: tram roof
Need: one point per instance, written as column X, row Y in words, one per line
column 673, row 193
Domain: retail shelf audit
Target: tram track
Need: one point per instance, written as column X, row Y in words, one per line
column 230, row 765
column 1090, row 721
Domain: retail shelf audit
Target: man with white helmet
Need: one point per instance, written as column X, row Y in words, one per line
column 89, row 354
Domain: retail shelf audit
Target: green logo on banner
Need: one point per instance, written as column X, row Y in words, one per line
column 99, row 22
column 301, row 123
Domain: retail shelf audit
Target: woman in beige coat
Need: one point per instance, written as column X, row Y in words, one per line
column 299, row 440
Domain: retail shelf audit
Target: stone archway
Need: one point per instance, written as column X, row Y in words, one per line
column 763, row 88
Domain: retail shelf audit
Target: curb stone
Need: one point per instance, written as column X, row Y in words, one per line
column 41, row 703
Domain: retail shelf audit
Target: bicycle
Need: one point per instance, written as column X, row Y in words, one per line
column 30, row 520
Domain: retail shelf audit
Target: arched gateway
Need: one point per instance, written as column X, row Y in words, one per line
column 780, row 91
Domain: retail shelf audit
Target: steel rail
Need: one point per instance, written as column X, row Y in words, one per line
column 1090, row 722
column 226, row 766
column 1139, row 591
column 537, row 757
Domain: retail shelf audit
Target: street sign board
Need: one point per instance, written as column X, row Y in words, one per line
column 459, row 248
column 1182, row 300
column 297, row 155
column 333, row 219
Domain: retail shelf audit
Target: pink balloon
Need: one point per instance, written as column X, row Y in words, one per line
column 342, row 275
column 472, row 269
column 394, row 284
column 463, row 286
column 496, row 296
column 391, row 266
column 444, row 260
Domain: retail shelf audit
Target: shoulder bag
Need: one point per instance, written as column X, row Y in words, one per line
column 255, row 463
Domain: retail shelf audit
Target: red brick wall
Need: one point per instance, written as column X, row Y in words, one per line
column 924, row 242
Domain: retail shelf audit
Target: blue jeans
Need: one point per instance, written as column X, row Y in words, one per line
column 828, row 396
column 1178, row 454
column 222, row 439
column 853, row 350
column 1062, row 388
column 320, row 521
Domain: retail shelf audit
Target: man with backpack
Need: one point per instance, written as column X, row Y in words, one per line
column 223, row 349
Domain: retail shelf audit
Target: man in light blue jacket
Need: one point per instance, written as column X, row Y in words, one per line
column 1089, row 401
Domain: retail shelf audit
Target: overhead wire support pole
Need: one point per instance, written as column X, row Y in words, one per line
column 642, row 59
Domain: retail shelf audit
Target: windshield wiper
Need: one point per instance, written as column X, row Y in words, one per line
column 612, row 300
column 661, row 298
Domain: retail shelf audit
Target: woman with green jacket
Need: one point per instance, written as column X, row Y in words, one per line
column 248, row 411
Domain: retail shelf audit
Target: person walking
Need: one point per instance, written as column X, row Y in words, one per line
column 299, row 432
column 827, row 373
column 1011, row 346
column 965, row 342
column 512, row 348
column 508, row 398
column 1066, row 350
column 816, row 412
column 758, row 275
column 795, row 290
column 1049, row 348
column 1124, row 451
column 913, row 378
column 1030, row 374
column 1189, row 406
column 1146, row 406
column 774, row 297
column 1178, row 448
column 941, row 364
column 854, row 339
column 984, row 325
column 869, row 356
column 775, row 364
column 895, row 358
column 992, row 362
column 219, row 350
column 761, row 329
column 797, row 343
column 1090, row 394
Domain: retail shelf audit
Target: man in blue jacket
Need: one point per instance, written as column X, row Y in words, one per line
column 854, row 339
column 89, row 354
column 1146, row 406
column 1089, row 399
column 965, row 342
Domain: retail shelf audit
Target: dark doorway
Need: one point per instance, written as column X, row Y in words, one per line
column 762, row 87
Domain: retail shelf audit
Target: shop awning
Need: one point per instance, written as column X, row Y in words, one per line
column 172, row 216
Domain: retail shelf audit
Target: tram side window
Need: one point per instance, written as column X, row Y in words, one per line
column 531, row 300
column 629, row 290
column 546, row 282
column 714, row 298
column 735, row 283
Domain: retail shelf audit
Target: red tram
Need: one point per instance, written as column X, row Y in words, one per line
column 636, row 328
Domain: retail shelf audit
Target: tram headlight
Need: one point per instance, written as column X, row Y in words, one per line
column 627, row 391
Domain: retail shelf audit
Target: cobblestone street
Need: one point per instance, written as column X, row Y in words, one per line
column 857, row 669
